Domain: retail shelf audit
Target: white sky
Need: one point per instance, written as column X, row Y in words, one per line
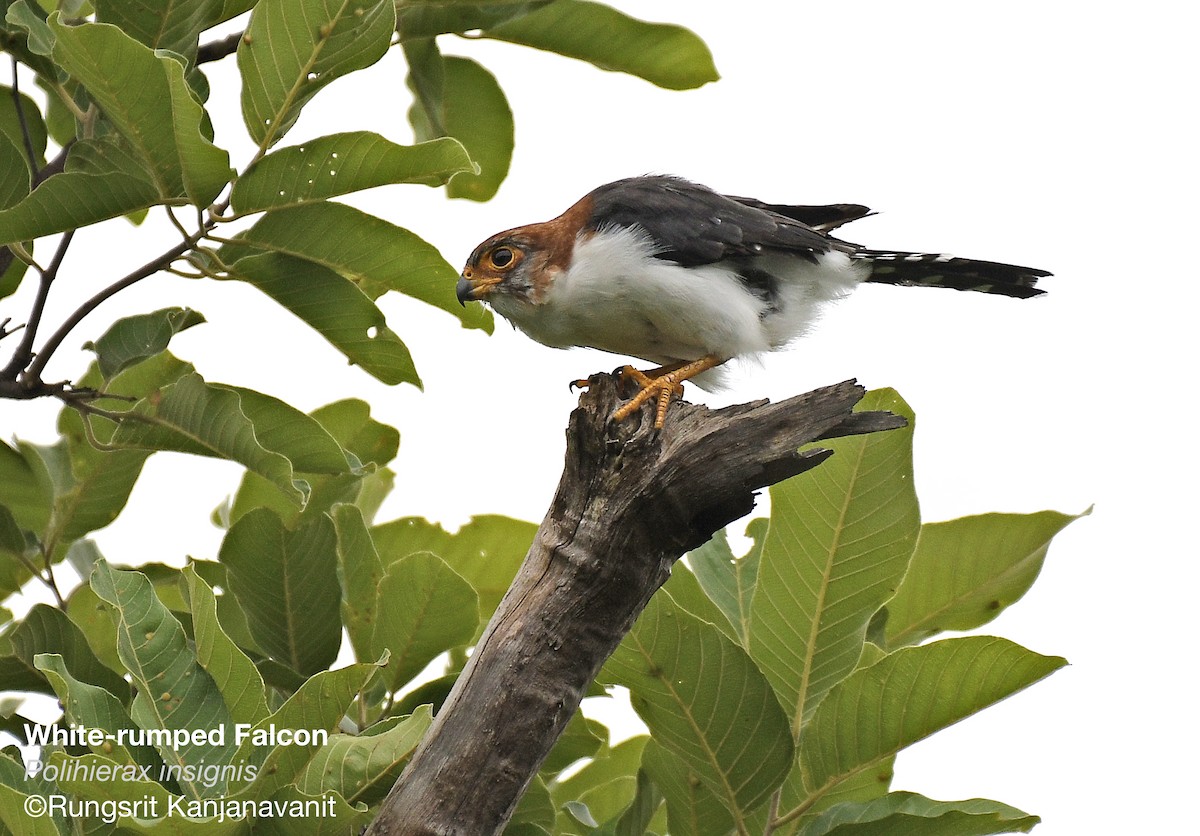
column 1052, row 135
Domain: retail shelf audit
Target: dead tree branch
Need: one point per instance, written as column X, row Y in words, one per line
column 631, row 501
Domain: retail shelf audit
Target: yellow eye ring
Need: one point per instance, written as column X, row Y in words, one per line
column 502, row 258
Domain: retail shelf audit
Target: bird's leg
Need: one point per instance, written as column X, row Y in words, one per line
column 641, row 378
column 661, row 384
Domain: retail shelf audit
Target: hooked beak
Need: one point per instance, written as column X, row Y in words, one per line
column 465, row 291
column 474, row 289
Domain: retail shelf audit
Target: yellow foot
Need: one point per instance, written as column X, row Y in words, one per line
column 662, row 384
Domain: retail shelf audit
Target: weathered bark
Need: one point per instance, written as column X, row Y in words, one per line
column 631, row 501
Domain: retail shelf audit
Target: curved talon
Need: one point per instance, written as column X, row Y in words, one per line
column 662, row 384
column 572, row 385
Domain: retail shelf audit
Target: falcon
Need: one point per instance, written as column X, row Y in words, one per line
column 673, row 273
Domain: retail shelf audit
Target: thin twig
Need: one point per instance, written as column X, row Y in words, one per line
column 148, row 269
column 773, row 811
column 18, row 106
column 216, row 50
column 24, row 351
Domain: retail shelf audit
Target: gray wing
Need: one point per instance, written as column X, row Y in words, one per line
column 694, row 225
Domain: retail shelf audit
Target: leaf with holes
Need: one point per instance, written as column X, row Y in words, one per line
column 664, row 54
column 704, row 699
column 293, row 48
column 839, row 540
column 173, row 691
column 287, row 584
column 343, row 163
column 90, row 706
column 336, row 309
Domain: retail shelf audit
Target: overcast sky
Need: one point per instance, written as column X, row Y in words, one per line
column 1058, row 136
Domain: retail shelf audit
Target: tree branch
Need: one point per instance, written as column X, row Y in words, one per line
column 631, row 501
column 216, row 50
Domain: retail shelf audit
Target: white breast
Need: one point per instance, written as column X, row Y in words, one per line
column 616, row 296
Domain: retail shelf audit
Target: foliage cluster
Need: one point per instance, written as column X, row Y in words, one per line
column 753, row 674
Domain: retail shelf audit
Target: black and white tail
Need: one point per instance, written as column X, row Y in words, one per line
column 932, row 270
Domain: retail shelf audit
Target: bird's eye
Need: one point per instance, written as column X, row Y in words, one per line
column 501, row 257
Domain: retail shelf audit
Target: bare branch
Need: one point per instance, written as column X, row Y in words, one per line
column 216, row 50
column 631, row 501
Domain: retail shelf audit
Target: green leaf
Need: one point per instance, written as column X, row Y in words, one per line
column 343, row 163
column 193, row 416
column 967, row 571
column 98, row 488
column 287, row 584
column 173, row 691
column 286, row 430
column 363, row 441
column 487, row 551
column 910, row 694
column 663, row 54
column 692, row 808
column 729, row 579
column 336, row 309
column 15, row 173
column 637, row 818
column 839, row 540
column 25, row 489
column 32, row 21
column 686, row 591
column 147, row 99
column 134, row 338
column 10, row 121
column 608, row 784
column 129, row 789
column 319, row 704
column 237, row 679
column 93, row 707
column 423, row 608
column 534, row 813
column 162, row 24
column 474, row 111
column 369, row 251
column 427, row 20
column 362, row 768
column 71, row 200
column 293, row 48
column 900, row 813
column 46, row 629
column 362, row 576
column 15, row 788
column 582, row 738
column 703, row 699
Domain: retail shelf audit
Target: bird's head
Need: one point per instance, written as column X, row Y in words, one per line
column 520, row 265
column 503, row 264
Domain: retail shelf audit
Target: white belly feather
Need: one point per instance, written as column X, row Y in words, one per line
column 618, row 297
